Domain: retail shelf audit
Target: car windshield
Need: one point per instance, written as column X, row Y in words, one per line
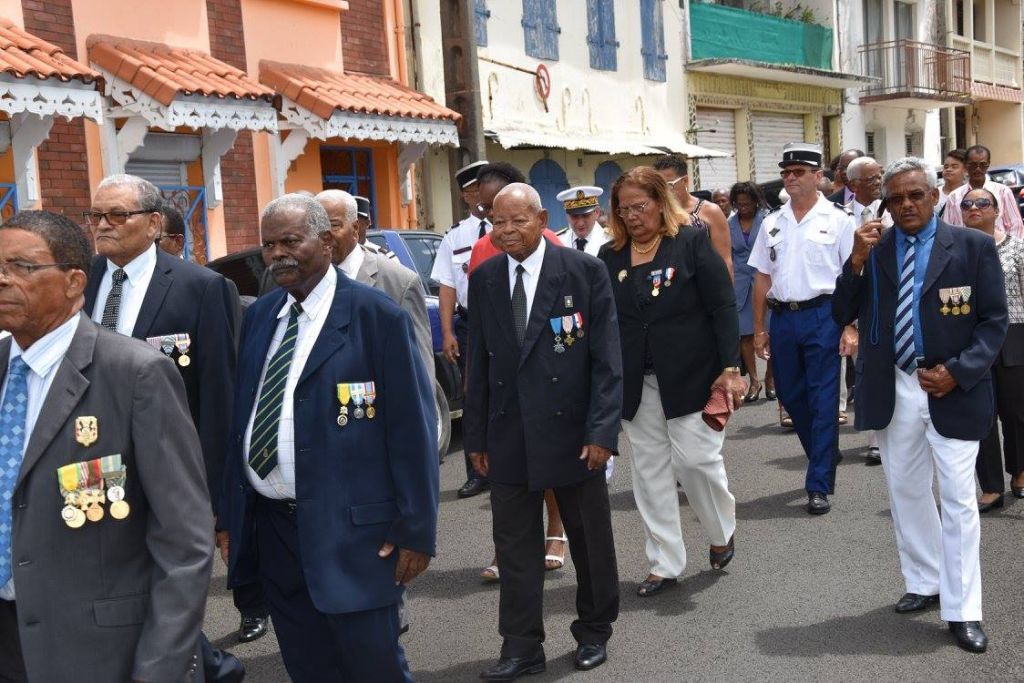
column 423, row 249
column 1005, row 176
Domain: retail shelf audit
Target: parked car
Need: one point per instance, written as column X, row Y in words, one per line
column 415, row 249
column 1011, row 175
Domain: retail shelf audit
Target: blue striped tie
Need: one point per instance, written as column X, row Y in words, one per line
column 905, row 350
column 13, row 415
column 263, row 441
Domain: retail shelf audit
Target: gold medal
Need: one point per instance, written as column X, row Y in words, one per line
column 655, row 292
column 371, row 412
column 94, row 513
column 184, row 361
column 944, row 298
column 76, row 519
column 622, row 275
column 344, row 395
column 119, row 509
column 87, row 430
column 965, row 293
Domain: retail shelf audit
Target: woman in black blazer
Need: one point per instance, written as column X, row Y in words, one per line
column 680, row 337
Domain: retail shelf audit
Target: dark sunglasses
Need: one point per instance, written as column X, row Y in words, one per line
column 981, row 203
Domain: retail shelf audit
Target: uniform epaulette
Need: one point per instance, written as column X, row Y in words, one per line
column 777, row 208
column 843, row 207
column 562, row 231
column 454, row 225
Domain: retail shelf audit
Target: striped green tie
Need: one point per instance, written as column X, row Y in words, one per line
column 263, row 443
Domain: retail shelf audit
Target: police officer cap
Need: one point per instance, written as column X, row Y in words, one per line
column 580, row 200
column 804, row 153
column 362, row 207
column 466, row 175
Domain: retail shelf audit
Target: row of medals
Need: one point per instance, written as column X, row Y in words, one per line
column 656, row 279
column 959, row 296
column 182, row 342
column 568, row 339
column 87, row 504
column 358, row 411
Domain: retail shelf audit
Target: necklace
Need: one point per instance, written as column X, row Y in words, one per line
column 646, row 250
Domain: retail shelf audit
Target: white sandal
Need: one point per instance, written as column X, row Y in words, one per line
column 560, row 559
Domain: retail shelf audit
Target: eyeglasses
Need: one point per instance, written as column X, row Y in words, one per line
column 795, row 172
column 23, row 269
column 897, row 199
column 981, row 203
column 977, row 164
column 115, row 217
column 626, row 211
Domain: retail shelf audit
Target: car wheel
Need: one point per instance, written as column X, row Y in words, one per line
column 444, row 421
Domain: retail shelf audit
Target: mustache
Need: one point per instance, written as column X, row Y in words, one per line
column 282, row 264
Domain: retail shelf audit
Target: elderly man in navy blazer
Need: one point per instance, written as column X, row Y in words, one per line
column 931, row 307
column 331, row 481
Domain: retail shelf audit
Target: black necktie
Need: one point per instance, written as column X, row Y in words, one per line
column 483, row 228
column 519, row 304
column 112, row 308
column 581, row 243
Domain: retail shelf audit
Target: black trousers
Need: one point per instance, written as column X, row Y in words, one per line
column 1009, row 386
column 249, row 600
column 12, row 663
column 461, row 329
column 519, row 545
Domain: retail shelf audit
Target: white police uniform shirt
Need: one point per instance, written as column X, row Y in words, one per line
column 451, row 265
column 809, row 254
column 597, row 237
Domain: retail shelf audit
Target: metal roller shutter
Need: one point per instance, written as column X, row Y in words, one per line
column 772, row 131
column 160, row 173
column 716, row 129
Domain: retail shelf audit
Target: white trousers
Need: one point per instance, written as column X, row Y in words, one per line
column 938, row 555
column 664, row 451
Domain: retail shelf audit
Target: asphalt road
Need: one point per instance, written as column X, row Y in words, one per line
column 805, row 599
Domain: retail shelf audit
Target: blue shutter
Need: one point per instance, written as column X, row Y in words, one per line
column 605, row 176
column 548, row 178
column 481, row 14
column 652, row 27
column 540, row 29
column 601, row 34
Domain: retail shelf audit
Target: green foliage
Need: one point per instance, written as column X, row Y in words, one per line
column 796, row 12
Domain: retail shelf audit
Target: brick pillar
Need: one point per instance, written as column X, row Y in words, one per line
column 364, row 44
column 63, row 165
column 238, row 178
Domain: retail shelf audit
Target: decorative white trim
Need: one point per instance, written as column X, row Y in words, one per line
column 196, row 112
column 215, row 144
column 352, row 126
column 283, row 153
column 407, row 156
column 28, row 131
column 51, row 97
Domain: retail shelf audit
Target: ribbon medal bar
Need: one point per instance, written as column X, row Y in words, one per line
column 183, row 342
column 556, row 327
column 358, row 392
column 371, row 396
column 578, row 317
column 567, row 325
column 344, row 395
column 965, row 293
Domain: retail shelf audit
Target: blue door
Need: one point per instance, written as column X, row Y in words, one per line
column 604, row 177
column 548, row 178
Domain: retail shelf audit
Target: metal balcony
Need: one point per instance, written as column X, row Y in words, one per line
column 913, row 74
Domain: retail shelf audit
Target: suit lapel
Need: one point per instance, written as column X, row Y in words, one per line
column 368, row 270
column 155, row 293
column 332, row 337
column 885, row 255
column 501, row 300
column 940, row 256
column 549, row 284
column 96, row 272
column 66, row 391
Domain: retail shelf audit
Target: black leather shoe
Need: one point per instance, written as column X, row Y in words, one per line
column 1017, row 491
column 252, row 628
column 720, row 559
column 874, row 457
column 969, row 635
column 817, row 503
column 647, row 587
column 511, row 668
column 590, row 657
column 472, row 487
column 770, row 394
column 912, row 602
column 989, row 507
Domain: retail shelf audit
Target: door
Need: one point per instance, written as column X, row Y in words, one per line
column 773, row 131
column 716, row 129
column 548, row 178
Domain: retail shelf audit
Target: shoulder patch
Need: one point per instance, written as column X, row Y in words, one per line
column 844, row 208
column 463, row 250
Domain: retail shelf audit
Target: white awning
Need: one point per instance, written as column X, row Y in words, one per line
column 604, row 144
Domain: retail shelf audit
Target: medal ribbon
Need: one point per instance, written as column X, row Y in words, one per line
column 358, row 391
column 182, row 341
column 578, row 317
column 371, row 393
column 556, row 325
column 567, row 324
column 344, row 394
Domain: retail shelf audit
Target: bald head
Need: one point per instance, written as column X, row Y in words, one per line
column 519, row 220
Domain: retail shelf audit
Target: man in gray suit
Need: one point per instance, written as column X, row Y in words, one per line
column 105, row 564
column 377, row 270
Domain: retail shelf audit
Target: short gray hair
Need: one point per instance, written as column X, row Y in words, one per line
column 147, row 193
column 905, row 165
column 346, row 200
column 855, row 167
column 527, row 191
column 317, row 221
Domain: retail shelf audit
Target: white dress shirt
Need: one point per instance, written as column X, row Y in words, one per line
column 597, row 237
column 451, row 265
column 133, row 290
column 42, row 358
column 353, row 262
column 280, row 483
column 532, row 264
column 809, row 254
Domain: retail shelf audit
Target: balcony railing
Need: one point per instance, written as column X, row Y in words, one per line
column 909, row 69
column 991, row 63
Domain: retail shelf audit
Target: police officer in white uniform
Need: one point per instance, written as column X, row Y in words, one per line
column 451, row 270
column 798, row 254
column 582, row 208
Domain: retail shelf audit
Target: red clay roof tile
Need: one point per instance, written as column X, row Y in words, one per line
column 23, row 54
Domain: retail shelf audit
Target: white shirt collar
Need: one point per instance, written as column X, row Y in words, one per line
column 138, row 266
column 353, row 262
column 49, row 349
column 531, row 263
column 317, row 302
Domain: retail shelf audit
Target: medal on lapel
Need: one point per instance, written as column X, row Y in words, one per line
column 344, row 395
column 556, row 327
column 183, row 342
column 114, row 475
column 965, row 293
column 578, row 317
column 87, row 430
column 622, row 275
column 69, row 480
column 655, row 282
column 567, row 325
column 93, row 496
column 167, row 345
column 944, row 298
column 669, row 274
column 357, row 398
column 955, row 295
column 371, row 396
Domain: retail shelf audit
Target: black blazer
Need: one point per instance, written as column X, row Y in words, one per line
column 186, row 298
column 966, row 344
column 529, row 408
column 838, row 197
column 691, row 327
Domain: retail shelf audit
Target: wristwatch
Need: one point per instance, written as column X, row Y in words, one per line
column 732, row 369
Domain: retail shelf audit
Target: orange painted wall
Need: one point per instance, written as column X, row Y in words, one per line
column 11, row 9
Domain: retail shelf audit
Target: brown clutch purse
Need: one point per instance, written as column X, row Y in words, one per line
column 716, row 410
